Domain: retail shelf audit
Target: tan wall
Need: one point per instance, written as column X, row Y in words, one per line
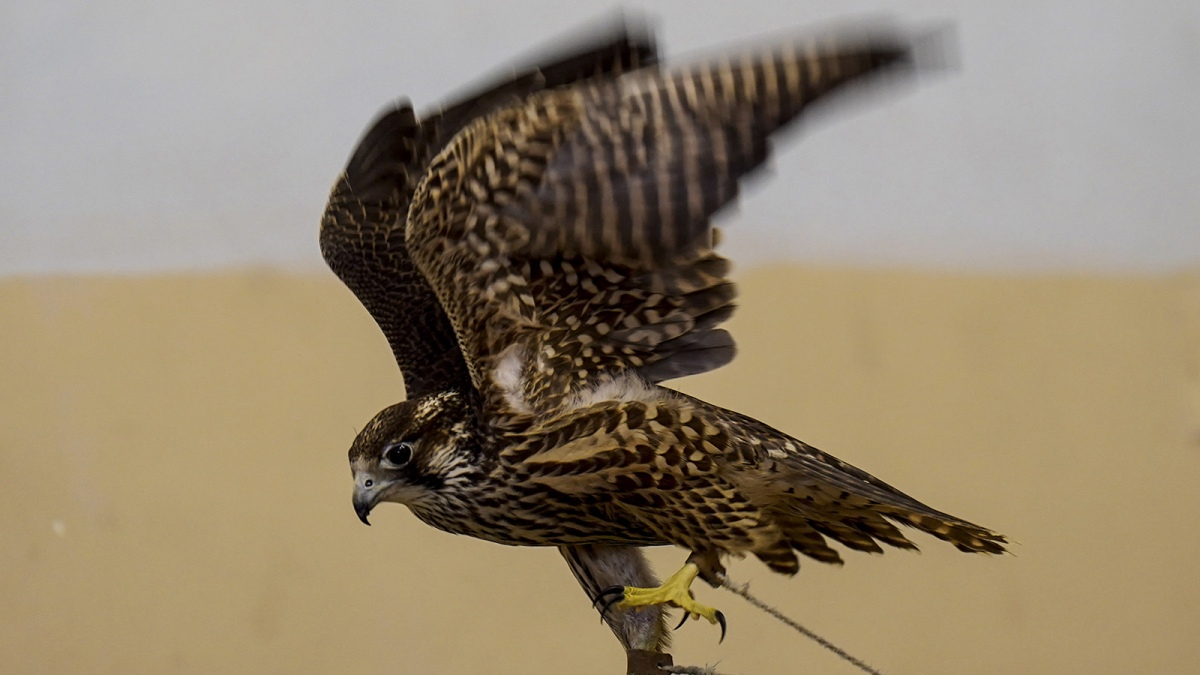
column 176, row 496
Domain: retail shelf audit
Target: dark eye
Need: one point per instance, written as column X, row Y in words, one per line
column 398, row 454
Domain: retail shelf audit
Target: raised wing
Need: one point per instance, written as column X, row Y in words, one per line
column 568, row 236
column 362, row 231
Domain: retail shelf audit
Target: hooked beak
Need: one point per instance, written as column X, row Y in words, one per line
column 362, row 508
column 366, row 495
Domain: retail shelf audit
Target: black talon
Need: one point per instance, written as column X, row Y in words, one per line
column 721, row 620
column 611, row 590
column 607, row 606
column 614, row 591
column 682, row 621
column 617, row 593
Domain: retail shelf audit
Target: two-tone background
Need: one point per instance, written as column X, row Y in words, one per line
column 984, row 289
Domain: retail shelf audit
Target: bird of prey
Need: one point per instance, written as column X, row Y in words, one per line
column 541, row 258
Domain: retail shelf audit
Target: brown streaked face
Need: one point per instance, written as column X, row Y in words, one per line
column 406, row 451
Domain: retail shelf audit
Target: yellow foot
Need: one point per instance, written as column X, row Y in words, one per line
column 674, row 591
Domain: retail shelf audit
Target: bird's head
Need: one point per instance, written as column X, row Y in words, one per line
column 410, row 450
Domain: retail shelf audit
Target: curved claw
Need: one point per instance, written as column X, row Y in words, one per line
column 716, row 613
column 611, row 596
column 611, row 590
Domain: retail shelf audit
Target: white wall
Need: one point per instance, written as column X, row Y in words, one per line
column 141, row 136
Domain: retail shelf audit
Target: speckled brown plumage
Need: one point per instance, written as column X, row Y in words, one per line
column 362, row 239
column 362, row 231
column 566, row 235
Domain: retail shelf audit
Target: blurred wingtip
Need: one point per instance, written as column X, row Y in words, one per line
column 636, row 26
column 630, row 28
column 924, row 49
column 935, row 49
column 927, row 48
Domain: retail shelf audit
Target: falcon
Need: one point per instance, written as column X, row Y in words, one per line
column 541, row 257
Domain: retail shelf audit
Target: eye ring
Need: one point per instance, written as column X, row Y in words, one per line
column 398, row 454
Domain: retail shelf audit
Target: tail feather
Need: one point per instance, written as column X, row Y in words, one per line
column 965, row 536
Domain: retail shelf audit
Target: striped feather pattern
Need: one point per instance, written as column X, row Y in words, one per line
column 362, row 230
column 565, row 232
column 575, row 223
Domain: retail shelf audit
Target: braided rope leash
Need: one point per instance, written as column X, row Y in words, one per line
column 744, row 591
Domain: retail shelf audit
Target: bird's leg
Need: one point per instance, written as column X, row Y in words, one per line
column 598, row 567
column 711, row 569
column 675, row 591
